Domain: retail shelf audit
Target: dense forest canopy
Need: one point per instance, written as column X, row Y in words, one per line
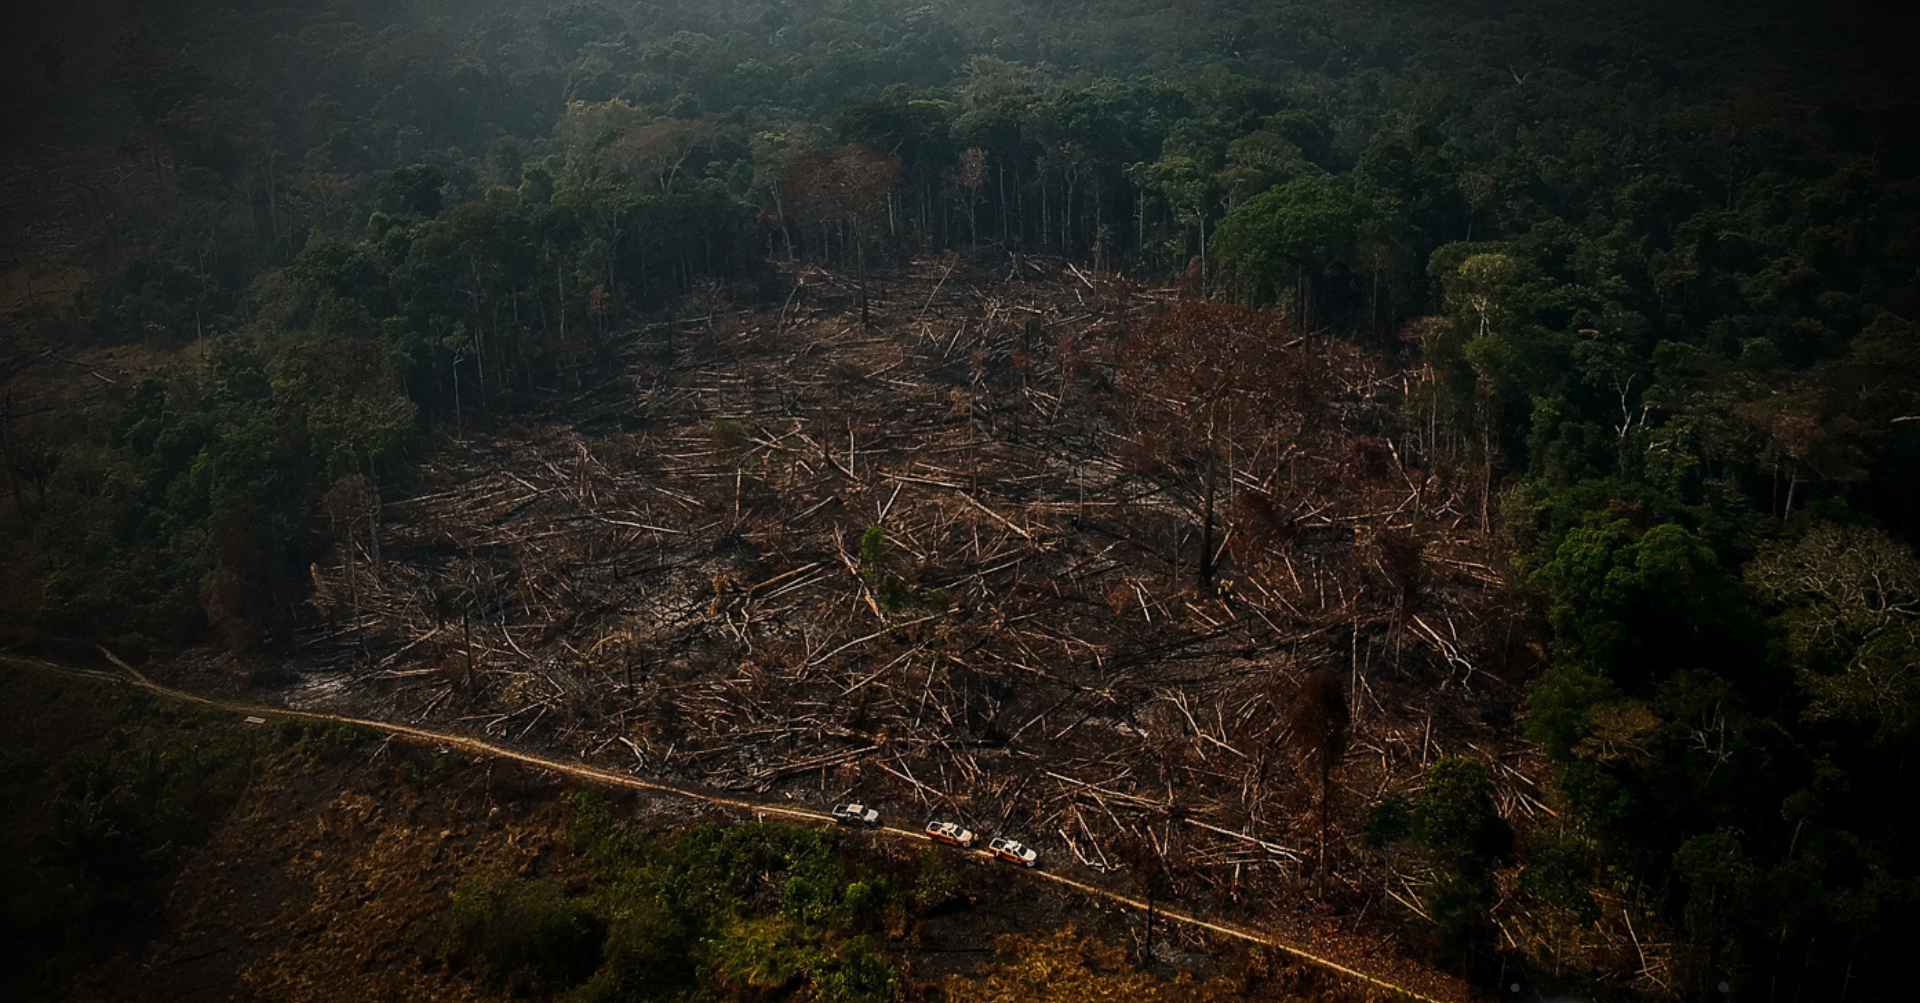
column 1652, row 265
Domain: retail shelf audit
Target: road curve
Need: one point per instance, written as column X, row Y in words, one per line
column 134, row 677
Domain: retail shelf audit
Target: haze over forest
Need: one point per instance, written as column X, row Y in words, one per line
column 1431, row 481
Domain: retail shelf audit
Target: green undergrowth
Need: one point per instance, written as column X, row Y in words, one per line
column 709, row 913
column 729, row 912
column 107, row 790
column 111, row 791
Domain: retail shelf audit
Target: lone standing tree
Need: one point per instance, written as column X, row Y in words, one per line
column 1319, row 724
column 847, row 188
column 1147, row 868
column 1204, row 382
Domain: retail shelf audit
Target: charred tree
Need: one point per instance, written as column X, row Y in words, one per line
column 1318, row 723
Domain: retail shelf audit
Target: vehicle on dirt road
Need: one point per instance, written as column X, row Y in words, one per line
column 1013, row 852
column 855, row 813
column 950, row 833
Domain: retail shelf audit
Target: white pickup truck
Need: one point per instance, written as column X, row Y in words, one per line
column 1013, row 852
column 950, row 833
column 855, row 813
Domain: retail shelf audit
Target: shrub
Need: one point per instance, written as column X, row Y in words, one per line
column 1455, row 815
column 807, row 900
column 862, row 903
column 1460, row 903
column 1391, row 822
column 648, row 956
column 935, row 883
column 122, row 816
column 712, row 872
column 774, row 954
column 328, row 741
column 760, row 955
column 1560, row 872
column 855, row 973
column 511, row 929
column 748, row 911
column 104, row 816
column 597, row 833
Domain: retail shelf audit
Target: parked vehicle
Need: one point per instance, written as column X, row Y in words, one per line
column 950, row 833
column 1013, row 852
column 855, row 813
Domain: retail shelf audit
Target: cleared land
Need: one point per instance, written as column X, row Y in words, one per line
column 675, row 571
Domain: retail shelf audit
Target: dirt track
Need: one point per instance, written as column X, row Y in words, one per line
column 582, row 771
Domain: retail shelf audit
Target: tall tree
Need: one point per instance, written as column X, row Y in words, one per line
column 847, row 188
column 1204, row 383
column 1850, row 605
column 1318, row 723
column 1147, row 870
column 1295, row 243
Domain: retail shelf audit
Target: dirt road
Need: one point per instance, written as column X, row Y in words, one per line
column 128, row 675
